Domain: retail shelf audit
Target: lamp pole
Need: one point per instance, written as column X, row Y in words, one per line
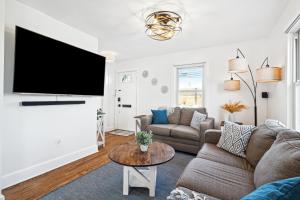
column 251, row 89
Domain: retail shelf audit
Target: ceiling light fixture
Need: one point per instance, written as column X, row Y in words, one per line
column 163, row 25
column 109, row 55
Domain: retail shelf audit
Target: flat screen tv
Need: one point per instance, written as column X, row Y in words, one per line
column 47, row 66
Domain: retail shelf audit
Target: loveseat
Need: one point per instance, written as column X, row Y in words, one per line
column 272, row 154
column 178, row 133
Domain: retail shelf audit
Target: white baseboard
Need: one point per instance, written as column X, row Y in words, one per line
column 2, row 197
column 107, row 129
column 38, row 169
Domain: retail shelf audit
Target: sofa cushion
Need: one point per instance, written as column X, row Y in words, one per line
column 174, row 115
column 187, row 115
column 185, row 132
column 286, row 189
column 235, row 138
column 281, row 161
column 214, row 153
column 260, row 141
column 166, row 139
column 161, row 129
column 216, row 179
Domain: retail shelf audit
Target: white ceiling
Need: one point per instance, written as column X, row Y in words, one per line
column 119, row 24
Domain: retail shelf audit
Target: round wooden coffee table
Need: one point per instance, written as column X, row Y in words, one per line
column 139, row 168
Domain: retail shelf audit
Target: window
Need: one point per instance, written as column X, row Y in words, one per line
column 296, row 80
column 190, row 86
column 297, row 57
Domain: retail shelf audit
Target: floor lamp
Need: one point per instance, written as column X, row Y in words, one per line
column 264, row 74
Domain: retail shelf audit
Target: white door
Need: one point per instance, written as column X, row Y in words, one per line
column 125, row 101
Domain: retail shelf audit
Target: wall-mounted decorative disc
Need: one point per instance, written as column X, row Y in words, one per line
column 145, row 73
column 164, row 89
column 154, row 81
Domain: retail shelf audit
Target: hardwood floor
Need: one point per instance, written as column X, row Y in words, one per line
column 41, row 185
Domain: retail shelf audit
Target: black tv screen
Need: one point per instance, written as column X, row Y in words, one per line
column 47, row 66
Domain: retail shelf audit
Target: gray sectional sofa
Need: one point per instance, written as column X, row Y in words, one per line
column 178, row 132
column 272, row 154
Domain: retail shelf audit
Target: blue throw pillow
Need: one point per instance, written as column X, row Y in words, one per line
column 286, row 189
column 159, row 117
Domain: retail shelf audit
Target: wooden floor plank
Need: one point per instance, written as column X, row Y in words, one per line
column 41, row 185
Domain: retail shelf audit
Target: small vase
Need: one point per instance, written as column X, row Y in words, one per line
column 231, row 117
column 144, row 148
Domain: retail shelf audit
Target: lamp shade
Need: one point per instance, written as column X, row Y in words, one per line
column 232, row 85
column 237, row 65
column 268, row 74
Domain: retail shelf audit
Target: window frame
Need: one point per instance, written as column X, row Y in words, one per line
column 295, row 75
column 193, row 65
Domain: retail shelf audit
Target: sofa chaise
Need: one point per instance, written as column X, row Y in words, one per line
column 272, row 154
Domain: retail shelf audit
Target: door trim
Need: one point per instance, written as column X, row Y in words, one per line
column 136, row 88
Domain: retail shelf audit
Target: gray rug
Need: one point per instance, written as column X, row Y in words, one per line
column 106, row 183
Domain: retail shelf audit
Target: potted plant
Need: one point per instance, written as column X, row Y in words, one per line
column 143, row 139
column 232, row 108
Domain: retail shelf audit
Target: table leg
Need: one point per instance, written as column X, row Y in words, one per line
column 152, row 179
column 139, row 177
column 125, row 180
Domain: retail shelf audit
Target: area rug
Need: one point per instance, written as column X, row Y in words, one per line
column 105, row 183
column 121, row 132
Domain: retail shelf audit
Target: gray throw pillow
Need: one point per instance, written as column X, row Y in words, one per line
column 197, row 119
column 235, row 138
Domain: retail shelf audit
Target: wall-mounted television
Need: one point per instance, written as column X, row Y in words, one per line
column 47, row 66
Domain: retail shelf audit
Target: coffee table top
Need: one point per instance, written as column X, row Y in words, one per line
column 129, row 154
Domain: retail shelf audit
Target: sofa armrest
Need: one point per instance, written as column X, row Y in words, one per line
column 209, row 123
column 145, row 121
column 212, row 136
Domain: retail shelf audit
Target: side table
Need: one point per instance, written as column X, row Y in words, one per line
column 100, row 128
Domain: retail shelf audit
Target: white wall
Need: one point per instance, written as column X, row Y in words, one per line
column 109, row 93
column 38, row 139
column 1, row 86
column 216, row 59
column 278, row 43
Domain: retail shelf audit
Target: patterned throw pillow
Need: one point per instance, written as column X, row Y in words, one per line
column 178, row 194
column 197, row 119
column 235, row 138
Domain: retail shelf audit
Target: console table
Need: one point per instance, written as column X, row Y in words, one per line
column 138, row 122
column 100, row 128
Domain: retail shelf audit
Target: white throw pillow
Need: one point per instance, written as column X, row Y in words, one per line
column 235, row 138
column 273, row 123
column 197, row 119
